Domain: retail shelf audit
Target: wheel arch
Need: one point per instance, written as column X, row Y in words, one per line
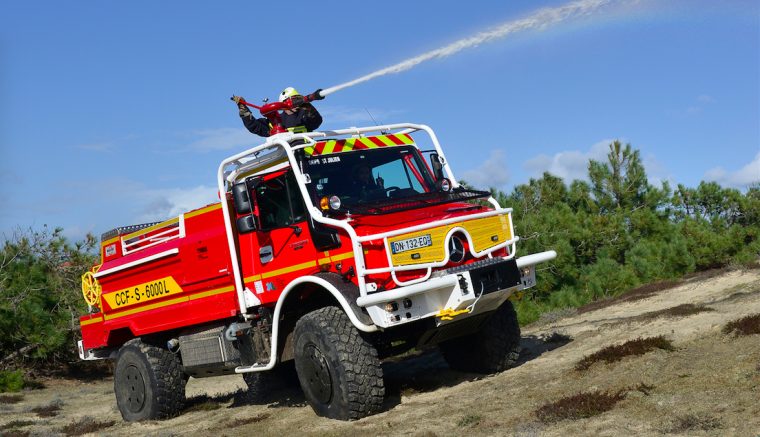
column 309, row 293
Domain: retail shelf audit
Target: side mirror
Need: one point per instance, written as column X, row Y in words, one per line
column 246, row 224
column 437, row 162
column 241, row 199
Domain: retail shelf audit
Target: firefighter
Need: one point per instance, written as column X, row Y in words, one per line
column 304, row 118
column 363, row 184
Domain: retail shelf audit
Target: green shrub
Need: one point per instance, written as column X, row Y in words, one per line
column 11, row 380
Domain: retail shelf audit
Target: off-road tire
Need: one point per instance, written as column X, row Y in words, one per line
column 148, row 382
column 264, row 386
column 338, row 369
column 494, row 348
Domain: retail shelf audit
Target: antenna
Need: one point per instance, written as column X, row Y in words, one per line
column 375, row 121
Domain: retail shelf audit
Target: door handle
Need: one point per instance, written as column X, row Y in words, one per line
column 266, row 254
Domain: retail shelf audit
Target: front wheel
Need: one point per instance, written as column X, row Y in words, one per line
column 338, row 369
column 148, row 382
column 495, row 347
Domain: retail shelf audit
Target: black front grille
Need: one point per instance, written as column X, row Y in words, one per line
column 414, row 202
column 475, row 265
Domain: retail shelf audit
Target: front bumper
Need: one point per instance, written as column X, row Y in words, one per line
column 458, row 292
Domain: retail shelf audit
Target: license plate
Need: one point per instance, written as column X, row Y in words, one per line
column 411, row 244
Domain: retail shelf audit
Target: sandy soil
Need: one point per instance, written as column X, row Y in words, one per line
column 710, row 385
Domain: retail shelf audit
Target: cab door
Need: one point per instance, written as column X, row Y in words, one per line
column 285, row 250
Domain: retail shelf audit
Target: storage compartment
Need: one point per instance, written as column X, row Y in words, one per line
column 208, row 353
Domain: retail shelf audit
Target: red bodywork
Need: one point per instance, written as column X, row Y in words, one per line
column 177, row 273
column 201, row 268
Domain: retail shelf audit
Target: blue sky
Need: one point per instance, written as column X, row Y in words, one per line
column 113, row 113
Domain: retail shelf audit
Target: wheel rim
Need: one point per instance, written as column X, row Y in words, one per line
column 317, row 374
column 135, row 387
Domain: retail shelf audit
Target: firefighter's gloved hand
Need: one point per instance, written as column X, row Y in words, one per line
column 242, row 108
column 244, row 111
column 297, row 101
column 316, row 96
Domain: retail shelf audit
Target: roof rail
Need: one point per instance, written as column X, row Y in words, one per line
column 122, row 230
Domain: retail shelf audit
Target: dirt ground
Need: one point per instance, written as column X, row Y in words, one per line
column 709, row 385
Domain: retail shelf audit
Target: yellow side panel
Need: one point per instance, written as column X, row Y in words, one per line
column 142, row 293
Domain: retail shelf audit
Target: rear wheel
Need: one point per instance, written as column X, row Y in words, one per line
column 495, row 347
column 338, row 369
column 148, row 382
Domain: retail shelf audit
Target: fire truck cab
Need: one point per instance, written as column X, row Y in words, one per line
column 330, row 250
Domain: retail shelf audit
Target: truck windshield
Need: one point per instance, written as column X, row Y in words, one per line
column 364, row 178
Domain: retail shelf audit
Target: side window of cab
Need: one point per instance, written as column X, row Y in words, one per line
column 279, row 202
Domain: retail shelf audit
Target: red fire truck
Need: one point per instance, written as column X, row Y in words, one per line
column 329, row 250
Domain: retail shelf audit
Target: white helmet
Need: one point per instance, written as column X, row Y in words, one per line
column 288, row 93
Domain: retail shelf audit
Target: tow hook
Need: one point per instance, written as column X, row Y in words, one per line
column 463, row 284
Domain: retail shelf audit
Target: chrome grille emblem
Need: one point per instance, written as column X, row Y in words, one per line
column 456, row 249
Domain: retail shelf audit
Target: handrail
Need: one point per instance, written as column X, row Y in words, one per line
column 175, row 228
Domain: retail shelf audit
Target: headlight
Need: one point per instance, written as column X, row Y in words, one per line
column 444, row 185
column 334, row 203
column 327, row 203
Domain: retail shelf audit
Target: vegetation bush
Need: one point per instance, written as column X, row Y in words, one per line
column 613, row 353
column 748, row 325
column 579, row 406
column 11, row 380
column 617, row 231
column 40, row 297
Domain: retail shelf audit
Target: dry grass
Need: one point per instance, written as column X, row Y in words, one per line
column 16, row 433
column 684, row 310
column 694, row 422
column 11, row 399
column 557, row 337
column 49, row 410
column 579, row 406
column 86, row 425
column 639, row 346
column 631, row 295
column 15, row 424
column 644, row 388
column 248, row 420
column 203, row 406
column 469, row 420
column 745, row 326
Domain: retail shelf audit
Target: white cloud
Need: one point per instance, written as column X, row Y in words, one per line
column 657, row 173
column 702, row 101
column 160, row 204
column 491, row 173
column 569, row 164
column 704, row 98
column 96, row 147
column 743, row 177
column 224, row 138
